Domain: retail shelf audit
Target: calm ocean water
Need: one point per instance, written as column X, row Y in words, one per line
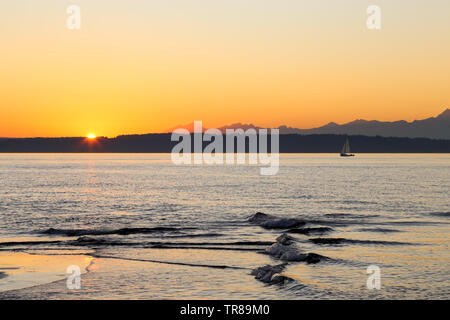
column 140, row 227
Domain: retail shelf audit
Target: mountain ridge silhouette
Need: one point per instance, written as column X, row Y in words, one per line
column 434, row 128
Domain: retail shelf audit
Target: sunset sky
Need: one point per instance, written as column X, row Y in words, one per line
column 140, row 66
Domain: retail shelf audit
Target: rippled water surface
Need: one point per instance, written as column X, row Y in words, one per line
column 140, row 227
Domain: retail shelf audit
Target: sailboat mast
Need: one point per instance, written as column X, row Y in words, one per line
column 346, row 149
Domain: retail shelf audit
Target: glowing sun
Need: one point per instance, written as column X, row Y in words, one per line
column 91, row 136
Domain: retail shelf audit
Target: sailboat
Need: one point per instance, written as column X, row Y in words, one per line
column 346, row 150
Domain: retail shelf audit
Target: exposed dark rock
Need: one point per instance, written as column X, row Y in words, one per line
column 314, row 258
column 285, row 239
column 277, row 249
column 292, row 253
column 279, row 279
column 270, row 274
column 85, row 240
column 271, row 222
column 309, row 258
column 260, row 217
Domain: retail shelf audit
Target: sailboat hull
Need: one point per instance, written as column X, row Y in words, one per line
column 347, row 155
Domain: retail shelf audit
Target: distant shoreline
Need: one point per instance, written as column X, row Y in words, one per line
column 161, row 143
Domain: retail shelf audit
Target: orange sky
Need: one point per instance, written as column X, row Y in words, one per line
column 140, row 66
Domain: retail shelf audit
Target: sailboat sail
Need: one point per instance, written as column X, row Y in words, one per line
column 346, row 147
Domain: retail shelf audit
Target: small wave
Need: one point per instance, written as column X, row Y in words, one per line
column 20, row 243
column 121, row 231
column 298, row 196
column 382, row 230
column 92, row 241
column 338, row 223
column 440, row 214
column 199, row 235
column 307, row 231
column 162, row 246
column 417, row 222
column 88, row 241
column 236, row 243
column 351, row 215
column 352, row 241
column 363, row 202
column 171, row 262
column 358, row 202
